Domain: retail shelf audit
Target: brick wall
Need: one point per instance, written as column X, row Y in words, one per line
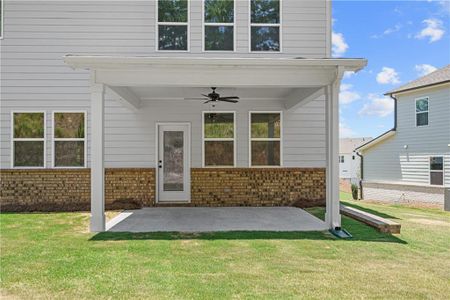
column 69, row 189
column 258, row 187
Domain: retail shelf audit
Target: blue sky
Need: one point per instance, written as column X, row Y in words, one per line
column 402, row 41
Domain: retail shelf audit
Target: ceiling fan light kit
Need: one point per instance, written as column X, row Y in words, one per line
column 215, row 97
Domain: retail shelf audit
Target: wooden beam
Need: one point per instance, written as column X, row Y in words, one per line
column 126, row 97
column 300, row 97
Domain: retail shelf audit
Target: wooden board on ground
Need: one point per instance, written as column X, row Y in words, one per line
column 381, row 224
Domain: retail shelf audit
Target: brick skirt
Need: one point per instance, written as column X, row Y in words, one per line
column 128, row 188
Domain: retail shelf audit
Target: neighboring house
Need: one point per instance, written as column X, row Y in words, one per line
column 411, row 162
column 109, row 103
column 349, row 161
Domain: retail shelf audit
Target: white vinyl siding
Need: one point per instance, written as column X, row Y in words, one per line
column 34, row 77
column 391, row 161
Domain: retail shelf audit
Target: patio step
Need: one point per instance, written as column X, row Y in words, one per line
column 381, row 224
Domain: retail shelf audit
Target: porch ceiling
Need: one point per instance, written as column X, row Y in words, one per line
column 207, row 72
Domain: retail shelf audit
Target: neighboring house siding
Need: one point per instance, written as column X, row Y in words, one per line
column 34, row 76
column 389, row 161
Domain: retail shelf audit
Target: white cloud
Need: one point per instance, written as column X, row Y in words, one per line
column 388, row 76
column 377, row 106
column 347, row 95
column 424, row 69
column 433, row 30
column 388, row 31
column 339, row 44
column 345, row 131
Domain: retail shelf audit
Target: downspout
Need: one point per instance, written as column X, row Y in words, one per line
column 395, row 111
column 361, row 166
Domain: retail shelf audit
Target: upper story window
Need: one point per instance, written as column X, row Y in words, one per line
column 219, row 16
column 28, row 140
column 437, row 170
column 69, row 138
column 422, row 110
column 341, row 159
column 265, row 25
column 219, row 134
column 265, row 139
column 173, row 25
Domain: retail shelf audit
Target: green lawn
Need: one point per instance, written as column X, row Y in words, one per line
column 53, row 256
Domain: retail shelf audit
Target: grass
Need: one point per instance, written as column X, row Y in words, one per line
column 54, row 256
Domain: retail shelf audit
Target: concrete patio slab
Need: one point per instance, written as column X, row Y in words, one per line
column 206, row 219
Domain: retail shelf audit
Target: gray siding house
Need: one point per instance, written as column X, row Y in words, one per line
column 411, row 162
column 109, row 104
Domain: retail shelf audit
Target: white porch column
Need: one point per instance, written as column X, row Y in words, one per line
column 97, row 158
column 332, row 216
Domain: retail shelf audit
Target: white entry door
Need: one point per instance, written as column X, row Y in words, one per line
column 173, row 165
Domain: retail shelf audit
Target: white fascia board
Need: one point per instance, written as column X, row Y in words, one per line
column 115, row 62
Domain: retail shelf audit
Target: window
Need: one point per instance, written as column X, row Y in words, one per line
column 28, row 141
column 422, row 112
column 219, row 135
column 265, row 138
column 437, row 170
column 265, row 25
column 218, row 16
column 341, row 159
column 173, row 25
column 69, row 139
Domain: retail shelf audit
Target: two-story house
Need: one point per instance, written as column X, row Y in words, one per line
column 169, row 102
column 411, row 162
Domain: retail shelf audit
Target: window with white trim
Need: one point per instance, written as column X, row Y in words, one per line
column 265, row 138
column 69, row 139
column 437, row 170
column 28, row 139
column 422, row 110
column 218, row 16
column 173, row 25
column 265, row 25
column 341, row 159
column 219, row 134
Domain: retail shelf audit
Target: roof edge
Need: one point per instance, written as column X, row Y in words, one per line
column 416, row 88
column 378, row 139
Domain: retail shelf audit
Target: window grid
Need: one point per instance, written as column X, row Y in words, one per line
column 278, row 25
column 209, row 24
column 14, row 139
column 252, row 139
column 422, row 112
column 55, row 139
column 205, row 139
column 187, row 24
column 441, row 171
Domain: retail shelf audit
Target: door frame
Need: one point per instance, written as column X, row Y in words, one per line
column 189, row 156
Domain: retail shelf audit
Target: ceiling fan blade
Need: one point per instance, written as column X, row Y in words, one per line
column 207, row 96
column 207, row 102
column 203, row 99
column 229, row 98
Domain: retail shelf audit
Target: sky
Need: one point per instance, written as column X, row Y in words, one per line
column 402, row 40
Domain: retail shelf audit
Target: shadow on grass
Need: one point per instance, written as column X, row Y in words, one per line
column 359, row 231
column 371, row 211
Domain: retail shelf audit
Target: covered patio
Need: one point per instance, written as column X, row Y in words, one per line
column 215, row 219
column 294, row 82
